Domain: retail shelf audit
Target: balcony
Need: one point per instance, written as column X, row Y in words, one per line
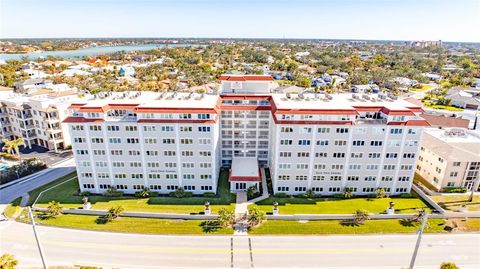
column 127, row 118
column 371, row 121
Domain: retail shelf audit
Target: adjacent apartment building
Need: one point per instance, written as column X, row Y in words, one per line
column 450, row 158
column 309, row 141
column 36, row 117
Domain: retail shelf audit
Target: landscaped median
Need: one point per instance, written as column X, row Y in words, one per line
column 67, row 194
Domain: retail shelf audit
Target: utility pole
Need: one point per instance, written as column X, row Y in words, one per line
column 40, row 250
column 419, row 239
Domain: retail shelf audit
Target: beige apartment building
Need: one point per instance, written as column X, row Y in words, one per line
column 450, row 157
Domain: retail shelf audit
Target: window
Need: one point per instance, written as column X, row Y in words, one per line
column 168, row 153
column 186, row 141
column 113, row 128
column 284, row 166
column 396, row 131
column 132, row 140
column 206, row 188
column 339, row 155
column 322, row 142
column 389, row 167
column 372, row 166
column 137, row 176
column 77, row 128
column 82, row 152
column 205, row 165
column 391, row 155
column 300, row 188
column 116, row 152
column 88, row 186
column 168, row 141
column 172, row 187
column 203, row 116
column 342, row 130
column 317, row 189
column 318, row 177
column 356, row 155
column 321, row 154
column 153, row 165
column 303, row 154
column 188, row 165
column 323, row 130
column 121, row 187
column 97, row 140
column 205, row 176
column 104, row 186
column 319, row 166
column 98, row 152
column 335, row 178
column 376, row 143
column 387, row 178
column 374, row 155
column 283, row 177
column 171, row 176
column 337, row 166
column 409, row 155
column 119, row 176
column 354, row 167
column 154, row 176
column 100, row 164
column 133, row 152
column 135, row 164
column 406, row 167
column 205, row 153
column 114, row 140
column 167, row 129
column 359, row 143
column 204, row 141
column 149, row 128
column 456, row 163
column 334, row 189
column 353, row 178
column 300, row 177
column 188, row 176
column 282, row 189
column 404, row 178
column 95, row 128
column 401, row 190
column 118, row 164
column 453, row 174
column 340, row 143
column 204, row 129
column 286, row 130
column 86, row 175
column 285, row 154
column 189, row 188
column 79, row 140
column 370, row 178
column 305, row 130
column 152, row 153
column 150, row 141
column 130, row 128
column 368, row 189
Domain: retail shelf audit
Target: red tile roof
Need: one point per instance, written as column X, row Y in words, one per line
column 245, row 78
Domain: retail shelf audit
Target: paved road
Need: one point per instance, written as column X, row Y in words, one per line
column 68, row 247
column 16, row 190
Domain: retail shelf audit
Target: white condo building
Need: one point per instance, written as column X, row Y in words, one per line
column 318, row 142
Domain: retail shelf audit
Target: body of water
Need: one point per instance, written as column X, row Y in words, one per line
column 85, row 52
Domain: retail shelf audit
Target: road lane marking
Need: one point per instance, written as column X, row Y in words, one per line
column 250, row 249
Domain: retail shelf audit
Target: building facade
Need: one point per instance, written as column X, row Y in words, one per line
column 450, row 158
column 318, row 142
column 36, row 117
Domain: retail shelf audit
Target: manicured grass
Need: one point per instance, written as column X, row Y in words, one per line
column 137, row 225
column 336, row 227
column 449, row 108
column 34, row 194
column 340, row 206
column 12, row 208
column 454, row 202
column 67, row 195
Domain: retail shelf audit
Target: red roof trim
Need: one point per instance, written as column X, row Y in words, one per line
column 75, row 106
column 312, row 122
column 244, row 178
column 416, row 109
column 81, row 120
column 391, row 112
column 410, row 123
column 245, row 108
column 245, row 78
column 368, row 108
column 177, row 121
column 175, row 110
column 318, row 111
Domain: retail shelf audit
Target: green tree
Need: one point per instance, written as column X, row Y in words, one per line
column 54, row 209
column 13, row 146
column 448, row 265
column 8, row 261
column 255, row 216
column 302, row 81
column 347, row 193
column 226, row 217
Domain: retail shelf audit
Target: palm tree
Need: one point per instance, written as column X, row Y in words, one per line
column 448, row 265
column 12, row 146
column 54, row 208
column 255, row 216
column 8, row 261
column 114, row 212
column 226, row 217
column 360, row 216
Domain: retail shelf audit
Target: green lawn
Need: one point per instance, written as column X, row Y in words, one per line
column 138, row 225
column 422, row 89
column 12, row 208
column 340, row 206
column 34, row 194
column 454, row 202
column 67, row 195
column 336, row 227
column 444, row 107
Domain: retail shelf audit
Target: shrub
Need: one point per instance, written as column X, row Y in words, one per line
column 338, row 195
column 281, row 195
column 153, row 194
column 85, row 193
column 252, row 192
column 209, row 194
column 348, row 193
column 180, row 193
column 302, row 195
column 448, row 265
column 8, row 261
column 406, row 195
column 454, row 190
column 143, row 193
column 25, row 168
column 112, row 192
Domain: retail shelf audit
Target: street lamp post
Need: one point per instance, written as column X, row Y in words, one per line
column 40, row 250
column 419, row 239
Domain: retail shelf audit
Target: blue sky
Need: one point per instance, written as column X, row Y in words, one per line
column 448, row 20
